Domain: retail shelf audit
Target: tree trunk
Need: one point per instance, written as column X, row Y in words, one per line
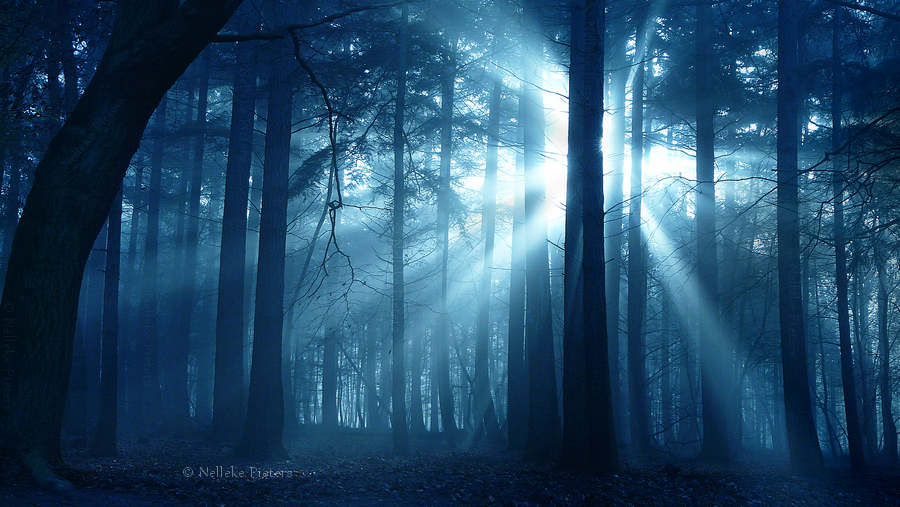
column 854, row 432
column 442, row 334
column 484, row 402
column 104, row 443
column 613, row 199
column 228, row 390
column 517, row 383
column 371, row 394
column 398, row 380
column 714, row 354
column 146, row 357
column 589, row 437
column 329, row 377
column 178, row 406
column 803, row 443
column 75, row 185
column 543, row 413
column 889, row 427
column 638, row 396
column 264, row 429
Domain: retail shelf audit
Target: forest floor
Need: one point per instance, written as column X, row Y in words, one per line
column 356, row 469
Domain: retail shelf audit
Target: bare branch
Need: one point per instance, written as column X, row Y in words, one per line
column 863, row 8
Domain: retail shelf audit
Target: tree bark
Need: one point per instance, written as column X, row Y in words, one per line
column 589, row 437
column 803, row 443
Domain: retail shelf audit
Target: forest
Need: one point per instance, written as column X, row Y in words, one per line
column 461, row 252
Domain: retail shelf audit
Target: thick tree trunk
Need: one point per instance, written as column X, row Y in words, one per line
column 228, row 390
column 75, row 185
column 398, row 380
column 264, row 429
column 589, row 437
column 803, row 443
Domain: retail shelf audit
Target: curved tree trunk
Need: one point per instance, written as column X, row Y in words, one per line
column 74, row 187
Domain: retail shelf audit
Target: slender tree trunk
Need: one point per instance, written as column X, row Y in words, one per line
column 806, row 456
column 854, row 432
column 713, row 347
column 543, row 414
column 416, row 410
column 329, row 376
column 614, row 229
column 104, row 443
column 178, row 407
column 371, row 393
column 517, row 384
column 228, row 390
column 889, row 427
column 445, row 392
column 146, row 355
column 637, row 274
column 264, row 429
column 398, row 381
column 484, row 402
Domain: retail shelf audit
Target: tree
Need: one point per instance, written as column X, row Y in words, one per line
column 803, row 443
column 74, row 188
column 589, row 437
column 638, row 396
column 228, row 390
column 485, row 415
column 713, row 351
column 543, row 414
column 264, row 426
column 104, row 443
column 854, row 433
column 442, row 335
column 398, row 377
